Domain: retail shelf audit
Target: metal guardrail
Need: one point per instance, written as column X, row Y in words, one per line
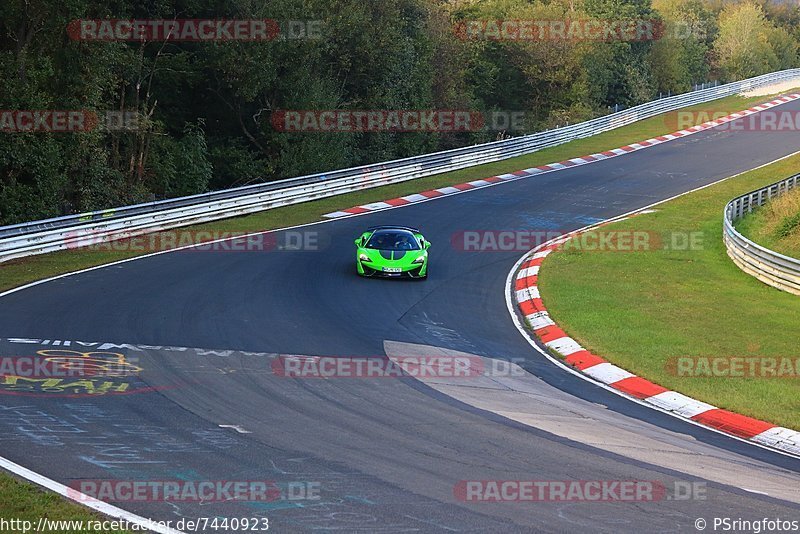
column 772, row 268
column 74, row 231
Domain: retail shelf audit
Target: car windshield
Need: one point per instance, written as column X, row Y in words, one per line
column 393, row 240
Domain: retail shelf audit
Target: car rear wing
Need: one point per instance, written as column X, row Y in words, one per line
column 393, row 227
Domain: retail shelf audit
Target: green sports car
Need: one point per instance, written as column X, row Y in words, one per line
column 392, row 251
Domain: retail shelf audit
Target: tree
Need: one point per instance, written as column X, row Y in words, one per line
column 743, row 47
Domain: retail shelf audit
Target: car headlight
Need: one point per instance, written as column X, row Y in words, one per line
column 421, row 259
column 363, row 257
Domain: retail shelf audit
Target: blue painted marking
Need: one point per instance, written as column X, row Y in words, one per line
column 359, row 499
column 111, row 463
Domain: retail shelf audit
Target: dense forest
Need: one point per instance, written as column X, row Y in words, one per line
column 204, row 109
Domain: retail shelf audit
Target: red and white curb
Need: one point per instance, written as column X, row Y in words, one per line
column 550, row 167
column 529, row 302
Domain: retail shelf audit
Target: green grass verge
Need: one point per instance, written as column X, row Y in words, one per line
column 19, row 272
column 28, row 502
column 776, row 225
column 640, row 310
column 16, row 497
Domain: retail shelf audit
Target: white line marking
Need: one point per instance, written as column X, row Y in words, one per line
column 237, row 428
column 81, row 498
column 756, row 491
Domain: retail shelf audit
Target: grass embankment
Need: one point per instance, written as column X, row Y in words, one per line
column 19, row 272
column 642, row 310
column 776, row 224
column 27, row 502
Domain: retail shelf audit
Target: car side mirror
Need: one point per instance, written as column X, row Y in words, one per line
column 358, row 242
column 427, row 244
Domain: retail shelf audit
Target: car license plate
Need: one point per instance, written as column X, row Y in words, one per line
column 392, row 269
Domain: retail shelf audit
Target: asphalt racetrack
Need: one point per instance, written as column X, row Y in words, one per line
column 381, row 455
